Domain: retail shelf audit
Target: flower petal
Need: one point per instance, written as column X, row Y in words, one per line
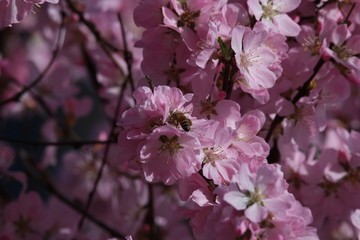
column 237, row 38
column 236, row 199
column 286, row 25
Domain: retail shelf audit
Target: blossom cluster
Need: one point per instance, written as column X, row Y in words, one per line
column 211, row 119
column 220, row 162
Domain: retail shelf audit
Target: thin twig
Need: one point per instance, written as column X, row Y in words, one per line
column 345, row 20
column 106, row 46
column 106, row 152
column 211, row 185
column 63, row 125
column 60, row 37
column 228, row 72
column 92, row 27
column 119, row 101
column 127, row 54
column 45, row 181
column 150, row 82
column 91, row 68
column 303, row 91
column 150, row 216
column 305, row 88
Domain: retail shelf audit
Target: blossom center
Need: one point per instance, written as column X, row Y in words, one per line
column 353, row 176
column 213, row 155
column 22, row 226
column 248, row 59
column 188, row 19
column 329, row 187
column 173, row 73
column 244, row 133
column 155, row 123
column 255, row 198
column 312, row 44
column 170, row 145
column 208, row 108
column 343, row 52
column 268, row 10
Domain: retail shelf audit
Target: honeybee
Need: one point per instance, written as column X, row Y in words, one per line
column 178, row 118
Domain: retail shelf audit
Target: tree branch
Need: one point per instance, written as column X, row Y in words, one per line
column 106, row 152
column 150, row 216
column 92, row 27
column 346, row 19
column 45, row 181
column 127, row 54
column 106, row 46
column 60, row 37
column 303, row 91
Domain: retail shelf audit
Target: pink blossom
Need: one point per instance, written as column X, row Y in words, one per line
column 196, row 189
column 312, row 43
column 13, row 11
column 249, row 183
column 198, row 221
column 246, row 140
column 170, row 154
column 253, row 58
column 345, row 51
column 227, row 112
column 203, row 44
column 85, row 165
column 190, row 14
column 153, row 16
column 233, row 14
column 154, row 109
column 221, row 161
column 355, row 220
column 263, row 194
column 24, row 217
column 273, row 15
column 304, row 123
